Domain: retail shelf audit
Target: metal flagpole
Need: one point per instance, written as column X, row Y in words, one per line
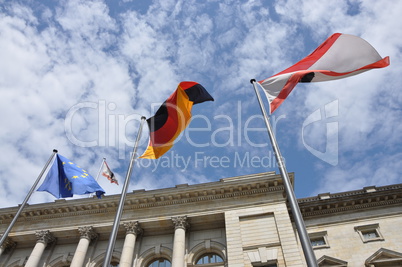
column 97, row 177
column 119, row 212
column 5, row 235
column 100, row 169
column 294, row 206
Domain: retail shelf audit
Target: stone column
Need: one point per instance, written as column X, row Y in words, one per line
column 133, row 229
column 8, row 243
column 179, row 241
column 43, row 238
column 87, row 234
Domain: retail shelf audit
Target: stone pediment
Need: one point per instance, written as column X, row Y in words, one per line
column 327, row 261
column 384, row 257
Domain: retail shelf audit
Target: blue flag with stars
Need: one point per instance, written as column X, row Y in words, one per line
column 66, row 179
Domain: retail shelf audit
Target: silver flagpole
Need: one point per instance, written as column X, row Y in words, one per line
column 119, row 212
column 294, row 206
column 100, row 169
column 97, row 177
column 5, row 235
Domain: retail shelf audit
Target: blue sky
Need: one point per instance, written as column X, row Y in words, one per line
column 78, row 75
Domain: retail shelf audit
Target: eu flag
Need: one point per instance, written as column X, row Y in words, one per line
column 65, row 179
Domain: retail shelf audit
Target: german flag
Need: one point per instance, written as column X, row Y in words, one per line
column 172, row 118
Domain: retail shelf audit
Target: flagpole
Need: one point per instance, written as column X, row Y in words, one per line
column 119, row 212
column 100, row 169
column 5, row 235
column 97, row 177
column 294, row 206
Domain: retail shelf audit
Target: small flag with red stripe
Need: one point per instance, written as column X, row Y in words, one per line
column 108, row 173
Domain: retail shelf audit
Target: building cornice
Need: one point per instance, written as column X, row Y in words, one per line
column 351, row 201
column 228, row 188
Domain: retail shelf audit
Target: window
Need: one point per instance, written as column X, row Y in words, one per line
column 369, row 233
column 319, row 240
column 209, row 258
column 160, row 263
column 114, row 264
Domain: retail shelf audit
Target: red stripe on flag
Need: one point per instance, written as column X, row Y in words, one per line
column 165, row 134
column 287, row 89
column 186, row 85
column 308, row 61
column 379, row 64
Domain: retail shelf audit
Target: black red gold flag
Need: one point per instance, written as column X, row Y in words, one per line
column 172, row 117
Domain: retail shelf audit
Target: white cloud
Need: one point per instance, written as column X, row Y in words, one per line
column 368, row 103
column 122, row 62
column 378, row 169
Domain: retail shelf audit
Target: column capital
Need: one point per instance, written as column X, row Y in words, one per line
column 180, row 222
column 133, row 227
column 44, row 236
column 87, row 232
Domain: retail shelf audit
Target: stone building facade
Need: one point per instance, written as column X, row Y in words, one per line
column 235, row 222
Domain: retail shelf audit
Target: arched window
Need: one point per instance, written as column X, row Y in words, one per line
column 160, row 263
column 99, row 260
column 209, row 258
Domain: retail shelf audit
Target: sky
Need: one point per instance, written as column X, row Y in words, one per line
column 77, row 76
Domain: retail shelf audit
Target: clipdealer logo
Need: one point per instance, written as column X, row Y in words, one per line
column 202, row 160
column 112, row 132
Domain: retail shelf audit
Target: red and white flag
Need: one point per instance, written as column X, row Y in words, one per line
column 108, row 173
column 340, row 56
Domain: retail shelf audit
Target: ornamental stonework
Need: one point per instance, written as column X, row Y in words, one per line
column 141, row 199
column 44, row 237
column 180, row 222
column 133, row 227
column 7, row 244
column 87, row 232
